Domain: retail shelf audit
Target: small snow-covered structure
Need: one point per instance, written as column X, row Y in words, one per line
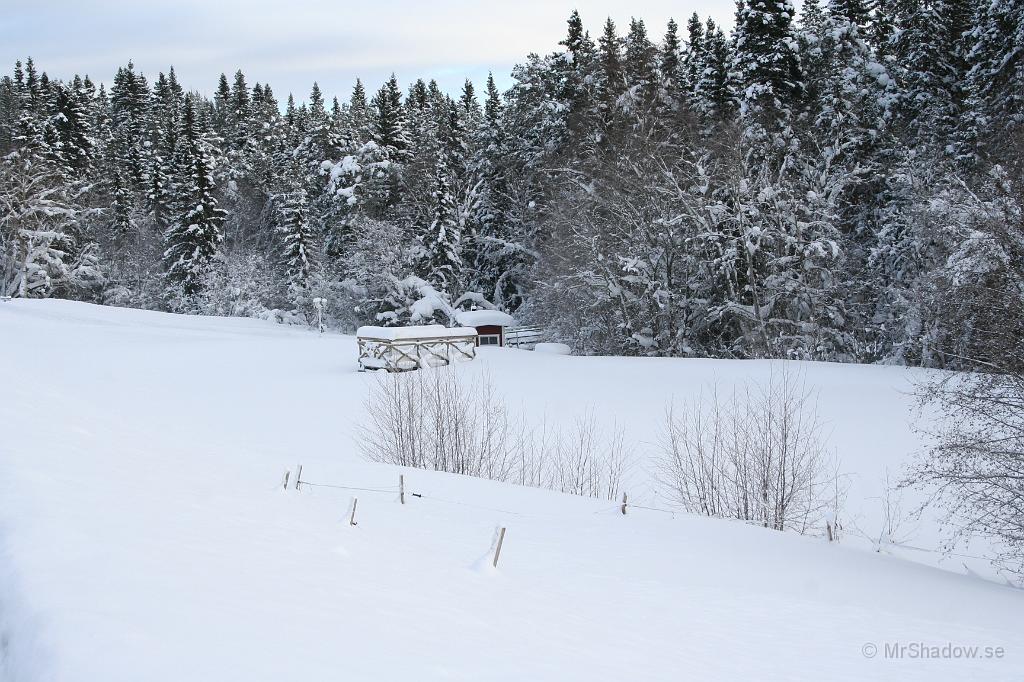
column 553, row 348
column 400, row 349
column 490, row 325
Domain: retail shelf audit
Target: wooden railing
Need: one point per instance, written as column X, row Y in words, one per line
column 523, row 337
column 403, row 355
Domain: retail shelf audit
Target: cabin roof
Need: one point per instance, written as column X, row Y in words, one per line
column 481, row 318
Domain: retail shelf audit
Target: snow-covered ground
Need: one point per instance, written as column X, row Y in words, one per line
column 144, row 534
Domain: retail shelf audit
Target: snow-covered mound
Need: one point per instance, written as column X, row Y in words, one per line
column 145, row 534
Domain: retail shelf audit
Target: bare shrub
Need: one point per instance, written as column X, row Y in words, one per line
column 756, row 454
column 896, row 524
column 429, row 419
column 588, row 464
column 974, row 465
column 433, row 419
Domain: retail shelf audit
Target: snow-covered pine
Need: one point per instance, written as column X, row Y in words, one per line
column 443, row 265
column 766, row 62
column 297, row 235
column 388, row 120
column 995, row 81
column 693, row 58
column 926, row 52
column 713, row 95
column 670, row 63
column 500, row 267
column 191, row 241
column 641, row 69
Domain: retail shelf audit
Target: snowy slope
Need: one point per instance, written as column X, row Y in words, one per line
column 144, row 534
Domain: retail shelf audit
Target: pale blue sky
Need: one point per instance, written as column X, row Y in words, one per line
column 291, row 43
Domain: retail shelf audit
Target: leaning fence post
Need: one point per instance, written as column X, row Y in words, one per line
column 286, row 475
column 352, row 516
column 497, row 547
column 298, row 477
column 623, row 503
column 828, row 529
column 401, row 488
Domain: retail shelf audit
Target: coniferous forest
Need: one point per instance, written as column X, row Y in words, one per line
column 844, row 185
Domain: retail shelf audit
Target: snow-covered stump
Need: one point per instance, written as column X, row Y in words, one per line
column 401, row 349
column 318, row 306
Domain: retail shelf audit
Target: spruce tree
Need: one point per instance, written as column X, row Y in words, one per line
column 882, row 30
column 670, row 63
column 359, row 112
column 222, row 121
column 238, row 123
column 641, row 69
column 694, row 58
column 924, row 51
column 389, row 120
column 297, row 236
column 72, row 127
column 123, row 227
column 812, row 37
column 713, row 96
column 765, row 60
column 613, row 79
column 192, row 240
column 577, row 73
column 129, row 109
column 576, row 38
column 443, row 264
column 852, row 105
column 994, row 83
column 500, row 263
column 469, row 107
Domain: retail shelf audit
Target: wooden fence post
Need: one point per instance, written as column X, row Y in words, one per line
column 352, row 516
column 623, row 503
column 828, row 529
column 286, row 475
column 497, row 547
column 298, row 477
column 401, row 488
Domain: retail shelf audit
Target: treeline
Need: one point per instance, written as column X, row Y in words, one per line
column 845, row 186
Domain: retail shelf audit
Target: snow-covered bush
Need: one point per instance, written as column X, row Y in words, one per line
column 236, row 286
column 411, row 300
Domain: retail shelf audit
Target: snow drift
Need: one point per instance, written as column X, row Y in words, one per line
column 143, row 517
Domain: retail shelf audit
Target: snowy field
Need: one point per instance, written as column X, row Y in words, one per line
column 144, row 534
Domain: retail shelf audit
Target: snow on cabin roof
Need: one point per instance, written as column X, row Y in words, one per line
column 479, row 318
column 429, row 331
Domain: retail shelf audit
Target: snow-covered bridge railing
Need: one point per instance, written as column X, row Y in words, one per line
column 400, row 349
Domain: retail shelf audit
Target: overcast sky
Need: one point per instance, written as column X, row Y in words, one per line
column 291, row 43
